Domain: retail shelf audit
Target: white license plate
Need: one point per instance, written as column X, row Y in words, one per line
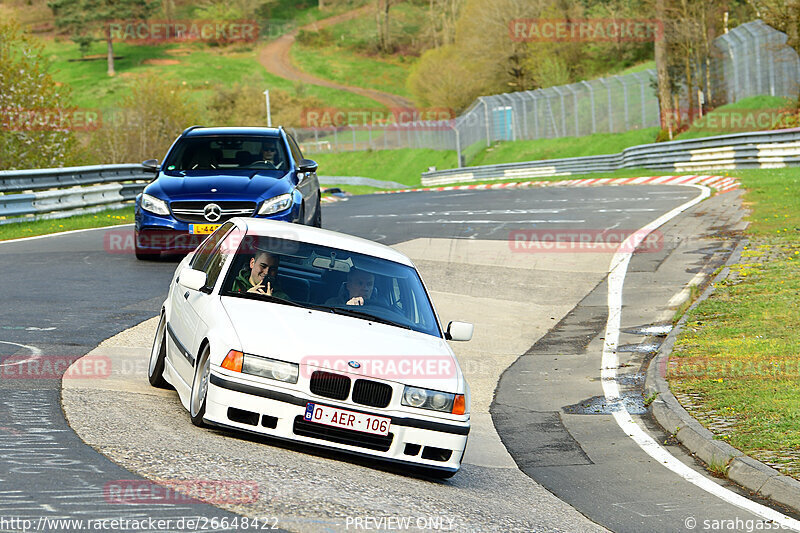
column 342, row 418
column 202, row 229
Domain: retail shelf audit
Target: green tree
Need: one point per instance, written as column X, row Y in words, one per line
column 31, row 133
column 150, row 119
column 85, row 18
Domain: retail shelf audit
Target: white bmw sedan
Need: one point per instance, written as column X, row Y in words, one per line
column 314, row 336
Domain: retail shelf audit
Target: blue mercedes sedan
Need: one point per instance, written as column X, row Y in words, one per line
column 212, row 174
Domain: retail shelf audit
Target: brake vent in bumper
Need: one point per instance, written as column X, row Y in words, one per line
column 243, row 417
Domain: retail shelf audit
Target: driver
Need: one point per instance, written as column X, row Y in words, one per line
column 269, row 154
column 260, row 278
column 358, row 289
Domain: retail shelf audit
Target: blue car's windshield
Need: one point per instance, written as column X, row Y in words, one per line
column 331, row 279
column 227, row 152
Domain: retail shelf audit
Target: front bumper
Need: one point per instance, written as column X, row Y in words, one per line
column 413, row 440
column 165, row 233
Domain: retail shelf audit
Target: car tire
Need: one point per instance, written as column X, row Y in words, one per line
column 318, row 215
column 197, row 400
column 158, row 354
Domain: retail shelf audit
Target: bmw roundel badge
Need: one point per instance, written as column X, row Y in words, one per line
column 354, row 364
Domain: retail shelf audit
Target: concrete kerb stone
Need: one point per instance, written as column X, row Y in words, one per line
column 670, row 414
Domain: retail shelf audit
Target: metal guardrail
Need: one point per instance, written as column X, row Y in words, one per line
column 767, row 149
column 58, row 192
column 76, row 190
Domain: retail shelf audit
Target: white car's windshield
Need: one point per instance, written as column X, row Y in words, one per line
column 331, row 279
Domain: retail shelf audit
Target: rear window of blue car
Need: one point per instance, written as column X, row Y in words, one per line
column 228, row 152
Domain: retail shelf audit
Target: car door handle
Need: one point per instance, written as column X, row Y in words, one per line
column 186, row 295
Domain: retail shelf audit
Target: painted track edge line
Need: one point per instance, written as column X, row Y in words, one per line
column 34, row 237
column 616, row 278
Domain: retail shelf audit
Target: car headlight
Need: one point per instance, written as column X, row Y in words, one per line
column 154, row 205
column 444, row 402
column 279, row 203
column 270, row 368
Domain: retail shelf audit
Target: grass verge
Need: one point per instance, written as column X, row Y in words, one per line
column 736, row 365
column 108, row 217
column 597, row 144
column 403, row 166
column 749, row 114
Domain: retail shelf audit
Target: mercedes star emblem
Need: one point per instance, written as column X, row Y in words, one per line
column 212, row 212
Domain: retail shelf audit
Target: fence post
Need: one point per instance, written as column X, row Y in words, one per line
column 524, row 95
column 460, row 157
column 641, row 90
column 591, row 97
column 486, row 117
column 563, row 113
column 575, row 106
column 610, row 112
column 624, row 99
column 535, row 97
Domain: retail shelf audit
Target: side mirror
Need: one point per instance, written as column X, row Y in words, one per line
column 151, row 165
column 459, row 331
column 307, row 165
column 192, row 279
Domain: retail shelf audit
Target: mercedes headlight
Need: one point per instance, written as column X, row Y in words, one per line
column 276, row 204
column 270, row 368
column 154, row 205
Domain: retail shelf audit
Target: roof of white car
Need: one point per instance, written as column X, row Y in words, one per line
column 324, row 237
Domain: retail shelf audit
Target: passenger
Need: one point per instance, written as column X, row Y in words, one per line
column 260, row 278
column 356, row 291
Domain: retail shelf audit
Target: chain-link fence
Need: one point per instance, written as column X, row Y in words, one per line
column 606, row 105
column 753, row 59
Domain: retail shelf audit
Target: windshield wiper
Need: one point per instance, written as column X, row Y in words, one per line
column 366, row 316
column 265, row 297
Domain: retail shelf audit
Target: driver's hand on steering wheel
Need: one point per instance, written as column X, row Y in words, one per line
column 358, row 300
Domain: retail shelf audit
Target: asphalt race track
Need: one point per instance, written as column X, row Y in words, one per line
column 540, row 427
